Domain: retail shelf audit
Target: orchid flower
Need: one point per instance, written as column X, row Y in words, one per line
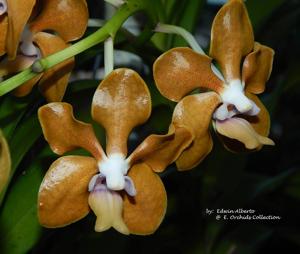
column 123, row 191
column 228, row 98
column 33, row 29
column 5, row 162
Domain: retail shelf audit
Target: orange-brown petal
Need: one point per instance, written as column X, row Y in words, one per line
column 54, row 81
column 231, row 38
column 63, row 194
column 21, row 62
column 159, row 151
column 194, row 112
column 64, row 133
column 257, row 68
column 121, row 102
column 68, row 18
column 3, row 29
column 144, row 212
column 5, row 162
column 19, row 12
column 259, row 123
column 180, row 70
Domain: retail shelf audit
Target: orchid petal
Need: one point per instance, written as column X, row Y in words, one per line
column 64, row 133
column 3, row 34
column 194, row 112
column 63, row 194
column 231, row 38
column 144, row 212
column 19, row 12
column 55, row 80
column 180, row 70
column 5, row 162
column 257, row 68
column 121, row 102
column 66, row 17
column 159, row 151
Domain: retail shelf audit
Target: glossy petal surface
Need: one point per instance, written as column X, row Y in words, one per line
column 64, row 133
column 19, row 12
column 54, row 81
column 66, row 17
column 63, row 194
column 194, row 112
column 5, row 162
column 121, row 102
column 3, row 29
column 257, row 68
column 231, row 38
column 180, row 70
column 144, row 213
column 159, row 151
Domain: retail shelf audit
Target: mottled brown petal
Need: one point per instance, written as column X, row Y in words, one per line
column 64, row 133
column 231, row 38
column 63, row 194
column 257, row 68
column 54, row 81
column 121, row 102
column 260, row 124
column 19, row 12
column 144, row 213
column 3, row 29
column 26, row 88
column 194, row 112
column 5, row 162
column 66, row 17
column 159, row 151
column 180, row 70
column 21, row 62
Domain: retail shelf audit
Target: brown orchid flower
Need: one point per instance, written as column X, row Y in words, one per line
column 5, row 162
column 238, row 114
column 32, row 29
column 123, row 191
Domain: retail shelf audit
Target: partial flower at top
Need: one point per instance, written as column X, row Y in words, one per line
column 5, row 162
column 238, row 115
column 123, row 191
column 33, row 29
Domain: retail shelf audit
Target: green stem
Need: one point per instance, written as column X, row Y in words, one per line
column 108, row 55
column 109, row 29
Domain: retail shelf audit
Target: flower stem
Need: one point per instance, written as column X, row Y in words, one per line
column 108, row 30
column 108, row 56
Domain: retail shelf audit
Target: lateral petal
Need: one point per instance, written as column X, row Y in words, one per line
column 257, row 68
column 5, row 162
column 3, row 29
column 64, row 133
column 54, row 81
column 144, row 212
column 63, row 194
column 19, row 12
column 121, row 102
column 159, row 151
column 231, row 38
column 194, row 112
column 180, row 70
column 66, row 17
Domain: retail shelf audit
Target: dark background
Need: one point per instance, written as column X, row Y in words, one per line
column 267, row 181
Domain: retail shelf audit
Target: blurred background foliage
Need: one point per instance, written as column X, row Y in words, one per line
column 267, row 181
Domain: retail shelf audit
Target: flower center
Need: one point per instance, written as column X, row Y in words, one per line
column 3, row 7
column 114, row 168
column 27, row 46
column 235, row 102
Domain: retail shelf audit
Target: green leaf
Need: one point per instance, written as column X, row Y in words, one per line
column 19, row 225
